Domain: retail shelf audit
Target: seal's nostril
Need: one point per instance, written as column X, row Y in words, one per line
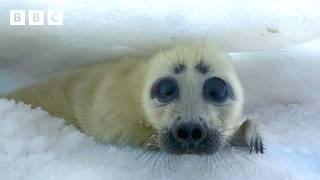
column 196, row 134
column 189, row 133
column 182, row 133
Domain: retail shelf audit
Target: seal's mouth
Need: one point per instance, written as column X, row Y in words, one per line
column 190, row 138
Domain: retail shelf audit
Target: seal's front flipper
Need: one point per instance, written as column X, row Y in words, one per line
column 248, row 135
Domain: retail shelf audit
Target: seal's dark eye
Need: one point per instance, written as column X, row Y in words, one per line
column 215, row 89
column 165, row 90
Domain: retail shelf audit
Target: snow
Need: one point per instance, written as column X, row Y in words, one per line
column 287, row 75
column 35, row 146
column 276, row 50
column 99, row 29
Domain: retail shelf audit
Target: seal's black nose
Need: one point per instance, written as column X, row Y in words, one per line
column 190, row 138
column 190, row 133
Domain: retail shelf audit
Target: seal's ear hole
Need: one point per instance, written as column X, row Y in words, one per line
column 215, row 90
column 165, row 90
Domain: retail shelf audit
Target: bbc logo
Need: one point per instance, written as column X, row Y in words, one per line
column 36, row 18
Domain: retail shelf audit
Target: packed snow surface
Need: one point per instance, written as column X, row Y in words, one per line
column 35, row 146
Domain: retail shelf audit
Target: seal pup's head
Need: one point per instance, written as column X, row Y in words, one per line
column 193, row 97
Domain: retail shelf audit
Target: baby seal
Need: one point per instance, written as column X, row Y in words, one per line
column 186, row 99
